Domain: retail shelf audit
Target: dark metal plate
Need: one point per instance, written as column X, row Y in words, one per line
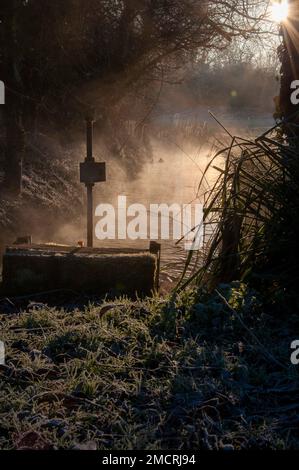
column 92, row 172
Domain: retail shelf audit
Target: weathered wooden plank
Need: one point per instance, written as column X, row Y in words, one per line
column 36, row 268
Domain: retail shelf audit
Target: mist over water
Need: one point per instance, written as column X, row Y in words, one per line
column 171, row 177
column 180, row 152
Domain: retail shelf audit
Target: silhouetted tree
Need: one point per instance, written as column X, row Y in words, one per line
column 289, row 57
column 12, row 76
column 62, row 56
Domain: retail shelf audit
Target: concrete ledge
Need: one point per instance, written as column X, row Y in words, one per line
column 36, row 268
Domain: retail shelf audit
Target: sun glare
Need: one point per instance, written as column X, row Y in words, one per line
column 279, row 10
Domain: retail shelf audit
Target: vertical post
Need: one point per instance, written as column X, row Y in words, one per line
column 89, row 186
column 89, row 139
column 91, row 172
column 89, row 215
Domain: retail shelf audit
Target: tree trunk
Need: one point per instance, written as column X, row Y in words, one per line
column 289, row 57
column 13, row 109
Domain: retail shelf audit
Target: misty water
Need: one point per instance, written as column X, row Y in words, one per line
column 171, row 176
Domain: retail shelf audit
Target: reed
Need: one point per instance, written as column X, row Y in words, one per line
column 252, row 212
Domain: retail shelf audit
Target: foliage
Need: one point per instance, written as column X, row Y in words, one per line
column 59, row 59
column 253, row 209
column 237, row 85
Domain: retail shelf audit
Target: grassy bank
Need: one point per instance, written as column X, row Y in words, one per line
column 191, row 371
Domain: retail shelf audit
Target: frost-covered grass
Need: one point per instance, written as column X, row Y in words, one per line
column 186, row 372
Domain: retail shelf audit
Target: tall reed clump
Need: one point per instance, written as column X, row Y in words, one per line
column 252, row 211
